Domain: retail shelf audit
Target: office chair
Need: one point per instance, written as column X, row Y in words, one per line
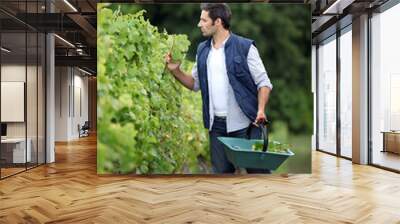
column 84, row 130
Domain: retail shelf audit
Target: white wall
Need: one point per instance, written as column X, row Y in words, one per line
column 71, row 94
column 62, row 81
column 16, row 73
column 12, row 101
column 13, row 73
column 10, row 73
column 80, row 109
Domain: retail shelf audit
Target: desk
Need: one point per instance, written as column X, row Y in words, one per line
column 391, row 141
column 16, row 147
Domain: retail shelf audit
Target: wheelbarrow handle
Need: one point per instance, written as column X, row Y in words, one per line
column 264, row 131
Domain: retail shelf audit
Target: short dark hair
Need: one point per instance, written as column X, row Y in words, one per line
column 218, row 10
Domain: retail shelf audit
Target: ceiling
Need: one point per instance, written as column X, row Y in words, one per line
column 332, row 15
column 74, row 22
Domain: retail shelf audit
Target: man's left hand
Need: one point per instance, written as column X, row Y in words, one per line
column 261, row 117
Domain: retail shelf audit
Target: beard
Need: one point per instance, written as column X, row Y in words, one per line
column 206, row 34
column 210, row 33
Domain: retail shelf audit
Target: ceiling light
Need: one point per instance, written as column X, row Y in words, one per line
column 79, row 51
column 5, row 50
column 65, row 41
column 328, row 10
column 70, row 5
column 337, row 7
column 86, row 72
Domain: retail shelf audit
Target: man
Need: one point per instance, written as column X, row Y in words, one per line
column 233, row 81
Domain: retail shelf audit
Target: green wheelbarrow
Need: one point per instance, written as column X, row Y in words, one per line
column 243, row 153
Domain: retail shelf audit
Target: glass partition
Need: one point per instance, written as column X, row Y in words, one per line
column 15, row 151
column 385, row 89
column 346, row 93
column 327, row 95
column 22, row 88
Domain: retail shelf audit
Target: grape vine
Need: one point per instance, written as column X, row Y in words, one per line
column 147, row 122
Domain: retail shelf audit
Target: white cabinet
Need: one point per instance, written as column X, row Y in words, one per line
column 18, row 149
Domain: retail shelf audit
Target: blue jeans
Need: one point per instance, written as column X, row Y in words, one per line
column 219, row 161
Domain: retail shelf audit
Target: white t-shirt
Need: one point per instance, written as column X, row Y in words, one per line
column 218, row 78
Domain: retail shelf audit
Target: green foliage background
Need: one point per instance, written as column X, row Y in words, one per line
column 147, row 122
column 282, row 33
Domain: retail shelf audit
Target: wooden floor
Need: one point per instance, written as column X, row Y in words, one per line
column 69, row 191
column 10, row 171
column 387, row 159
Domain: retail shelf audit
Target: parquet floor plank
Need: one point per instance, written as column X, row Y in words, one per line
column 70, row 191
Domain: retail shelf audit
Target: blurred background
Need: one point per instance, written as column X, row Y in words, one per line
column 283, row 37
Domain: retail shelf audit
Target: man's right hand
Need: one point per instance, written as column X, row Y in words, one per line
column 172, row 66
column 186, row 79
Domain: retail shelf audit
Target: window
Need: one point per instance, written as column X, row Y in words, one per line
column 385, row 88
column 346, row 92
column 327, row 95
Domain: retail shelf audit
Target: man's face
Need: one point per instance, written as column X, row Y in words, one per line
column 206, row 25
